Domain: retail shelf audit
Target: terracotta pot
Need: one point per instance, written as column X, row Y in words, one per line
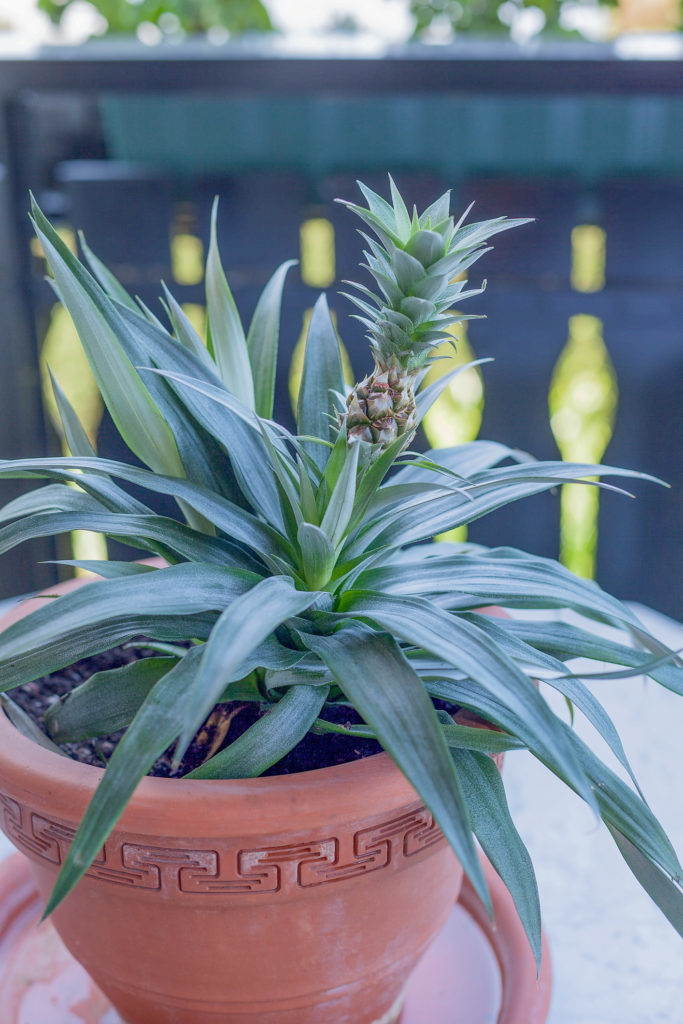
column 289, row 900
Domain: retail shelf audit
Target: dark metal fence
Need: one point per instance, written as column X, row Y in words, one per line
column 123, row 147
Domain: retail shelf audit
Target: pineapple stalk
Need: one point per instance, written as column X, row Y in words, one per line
column 418, row 264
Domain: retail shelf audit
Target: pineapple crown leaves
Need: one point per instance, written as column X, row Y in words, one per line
column 300, row 567
column 417, row 266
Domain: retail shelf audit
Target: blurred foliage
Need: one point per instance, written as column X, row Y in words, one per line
column 123, row 17
column 490, row 17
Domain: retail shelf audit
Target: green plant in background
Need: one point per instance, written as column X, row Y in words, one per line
column 301, row 566
column 191, row 17
column 492, row 17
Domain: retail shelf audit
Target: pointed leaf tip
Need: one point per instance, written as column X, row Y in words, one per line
column 321, row 378
column 225, row 328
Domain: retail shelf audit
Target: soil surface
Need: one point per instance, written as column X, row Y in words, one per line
column 225, row 723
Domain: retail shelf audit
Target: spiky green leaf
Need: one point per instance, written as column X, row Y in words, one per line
column 106, row 702
column 494, row 828
column 224, row 325
column 321, row 380
column 131, row 406
column 262, row 341
column 244, row 624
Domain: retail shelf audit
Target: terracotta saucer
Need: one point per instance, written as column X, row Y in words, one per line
column 473, row 974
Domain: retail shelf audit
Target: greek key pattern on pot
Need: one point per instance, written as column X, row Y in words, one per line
column 228, row 870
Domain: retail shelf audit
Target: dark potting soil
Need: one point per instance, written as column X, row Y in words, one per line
column 225, row 723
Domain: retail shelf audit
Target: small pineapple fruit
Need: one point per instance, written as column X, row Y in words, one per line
column 382, row 407
column 418, row 266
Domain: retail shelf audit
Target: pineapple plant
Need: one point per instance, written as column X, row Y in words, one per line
column 300, row 573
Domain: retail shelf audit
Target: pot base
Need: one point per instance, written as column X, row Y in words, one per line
column 471, row 974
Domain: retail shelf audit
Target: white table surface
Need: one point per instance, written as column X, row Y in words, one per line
column 616, row 960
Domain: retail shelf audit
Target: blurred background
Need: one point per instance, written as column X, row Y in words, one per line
column 126, row 117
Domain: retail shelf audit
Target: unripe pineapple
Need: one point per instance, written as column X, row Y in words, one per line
column 418, row 265
column 382, row 407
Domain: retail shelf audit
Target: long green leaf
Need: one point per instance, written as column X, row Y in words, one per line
column 566, row 641
column 317, row 555
column 196, row 451
column 149, row 345
column 322, row 378
column 395, row 494
column 108, row 569
column 464, row 460
column 153, row 729
column 378, row 680
column 620, row 807
column 665, row 893
column 309, row 507
column 268, row 740
column 225, row 327
column 485, row 741
column 106, row 702
column 239, row 430
column 333, row 467
column 511, row 582
column 76, row 437
column 135, row 530
column 494, row 828
column 185, row 331
column 172, row 603
column 562, row 471
column 237, row 523
column 25, row 724
column 52, row 498
column 467, row 648
column 147, row 313
column 110, row 284
column 425, row 398
column 108, row 493
column 617, row 803
column 572, row 688
column 340, row 506
column 244, row 624
column 126, row 324
column 135, row 414
column 458, row 737
column 290, row 502
column 374, row 474
column 419, row 519
column 262, row 341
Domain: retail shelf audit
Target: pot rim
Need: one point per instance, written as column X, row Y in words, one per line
column 61, row 784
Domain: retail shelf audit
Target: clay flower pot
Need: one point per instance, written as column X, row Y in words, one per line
column 286, row 900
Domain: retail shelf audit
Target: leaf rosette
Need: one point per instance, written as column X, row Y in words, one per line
column 299, row 571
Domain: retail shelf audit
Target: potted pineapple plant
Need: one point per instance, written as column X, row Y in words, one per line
column 296, row 600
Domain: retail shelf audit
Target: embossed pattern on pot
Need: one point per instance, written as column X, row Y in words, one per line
column 228, row 870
